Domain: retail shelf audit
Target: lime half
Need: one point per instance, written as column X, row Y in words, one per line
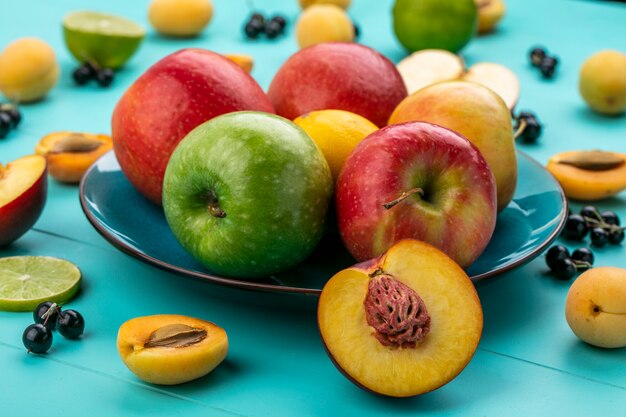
column 107, row 40
column 26, row 281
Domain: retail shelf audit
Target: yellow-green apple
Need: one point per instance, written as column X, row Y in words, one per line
column 416, row 180
column 402, row 324
column 23, row 189
column 172, row 97
column 247, row 193
column 477, row 113
column 596, row 307
column 341, row 76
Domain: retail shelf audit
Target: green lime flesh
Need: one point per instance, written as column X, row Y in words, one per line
column 435, row 24
column 26, row 281
column 106, row 40
column 269, row 179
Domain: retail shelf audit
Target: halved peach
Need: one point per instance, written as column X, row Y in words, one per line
column 591, row 180
column 403, row 324
column 23, row 191
column 70, row 154
column 170, row 349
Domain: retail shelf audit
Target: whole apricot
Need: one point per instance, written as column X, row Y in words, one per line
column 344, row 4
column 28, row 70
column 602, row 82
column 596, row 307
column 323, row 23
column 180, row 17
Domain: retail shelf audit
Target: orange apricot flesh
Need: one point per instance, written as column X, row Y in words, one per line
column 168, row 365
column 586, row 185
column 452, row 304
column 71, row 164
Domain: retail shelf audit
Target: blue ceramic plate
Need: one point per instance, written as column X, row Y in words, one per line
column 137, row 227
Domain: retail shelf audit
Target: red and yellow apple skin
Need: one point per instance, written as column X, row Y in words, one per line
column 338, row 75
column 175, row 95
column 455, row 210
column 23, row 190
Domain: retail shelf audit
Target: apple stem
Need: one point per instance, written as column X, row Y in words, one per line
column 216, row 211
column 403, row 196
column 520, row 129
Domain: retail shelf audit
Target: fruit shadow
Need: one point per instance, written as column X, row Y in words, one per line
column 585, row 114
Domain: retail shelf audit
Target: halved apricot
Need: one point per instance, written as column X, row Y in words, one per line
column 70, row 154
column 171, row 349
column 403, row 324
column 591, row 180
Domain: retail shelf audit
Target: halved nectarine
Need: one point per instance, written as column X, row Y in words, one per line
column 70, row 154
column 403, row 324
column 171, row 349
column 23, row 189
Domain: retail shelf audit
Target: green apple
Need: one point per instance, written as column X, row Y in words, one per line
column 435, row 24
column 246, row 194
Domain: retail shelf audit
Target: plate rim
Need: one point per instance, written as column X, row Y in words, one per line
column 258, row 286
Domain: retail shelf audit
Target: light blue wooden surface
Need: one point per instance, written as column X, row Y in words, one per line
column 528, row 363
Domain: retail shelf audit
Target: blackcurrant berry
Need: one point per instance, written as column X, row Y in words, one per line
column 257, row 18
column 532, row 127
column 584, row 255
column 575, row 227
column 599, row 237
column 555, row 254
column 70, row 324
column 82, row 75
column 565, row 269
column 272, row 29
column 610, row 217
column 616, row 236
column 5, row 125
column 37, row 338
column 92, row 68
column 357, row 31
column 536, row 55
column 13, row 112
column 41, row 309
column 253, row 29
column 548, row 66
column 280, row 20
column 590, row 212
column 105, row 76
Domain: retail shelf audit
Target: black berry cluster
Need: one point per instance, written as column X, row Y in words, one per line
column 547, row 64
column 89, row 71
column 10, row 117
column 527, row 127
column 48, row 316
column 565, row 265
column 257, row 25
column 603, row 227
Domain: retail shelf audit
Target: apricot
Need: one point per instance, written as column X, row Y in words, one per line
column 596, row 307
column 246, row 62
column 403, row 324
column 180, row 17
column 28, row 70
column 490, row 12
column 70, row 154
column 323, row 23
column 170, row 349
column 602, row 82
column 590, row 180
column 344, row 4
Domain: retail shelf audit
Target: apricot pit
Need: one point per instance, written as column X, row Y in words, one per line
column 403, row 324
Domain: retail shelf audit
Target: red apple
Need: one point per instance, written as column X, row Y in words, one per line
column 23, row 187
column 416, row 180
column 343, row 76
column 172, row 97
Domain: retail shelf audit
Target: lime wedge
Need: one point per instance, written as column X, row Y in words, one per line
column 107, row 40
column 26, row 281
